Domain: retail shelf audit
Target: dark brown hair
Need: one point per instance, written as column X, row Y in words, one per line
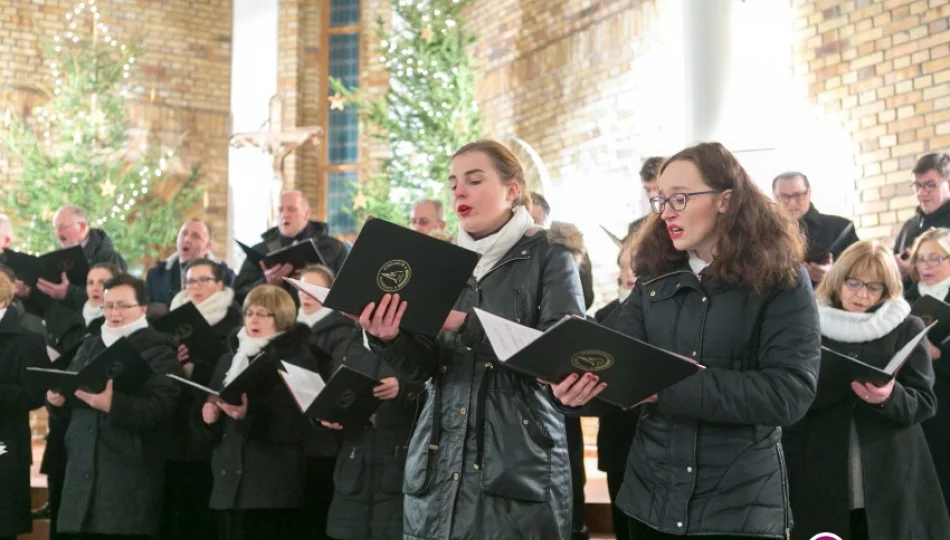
column 506, row 164
column 757, row 246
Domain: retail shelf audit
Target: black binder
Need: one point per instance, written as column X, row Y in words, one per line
column 347, row 399
column 121, row 362
column 50, row 266
column 839, row 369
column 426, row 272
column 633, row 370
column 259, row 375
column 934, row 311
column 298, row 255
column 190, row 327
column 819, row 254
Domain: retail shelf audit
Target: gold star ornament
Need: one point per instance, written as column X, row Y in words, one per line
column 426, row 33
column 337, row 102
column 108, row 188
column 359, row 200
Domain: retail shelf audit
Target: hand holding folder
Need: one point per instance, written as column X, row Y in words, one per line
column 297, row 255
column 347, row 399
column 633, row 370
column 257, row 376
column 29, row 269
column 120, row 363
column 936, row 313
column 838, row 369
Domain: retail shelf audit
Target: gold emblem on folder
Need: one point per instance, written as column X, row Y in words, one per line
column 928, row 319
column 393, row 276
column 592, row 360
column 65, row 265
column 183, row 331
column 346, row 399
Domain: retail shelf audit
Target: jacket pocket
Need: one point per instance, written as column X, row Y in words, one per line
column 349, row 471
column 517, row 458
column 391, row 469
column 420, row 460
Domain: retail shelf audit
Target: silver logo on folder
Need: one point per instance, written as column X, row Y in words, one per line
column 592, row 360
column 394, row 275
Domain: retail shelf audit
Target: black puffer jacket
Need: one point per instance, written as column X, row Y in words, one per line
column 707, row 458
column 258, row 462
column 489, row 456
column 116, row 467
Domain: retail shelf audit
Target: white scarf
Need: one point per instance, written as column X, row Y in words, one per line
column 248, row 347
column 695, row 263
column 213, row 308
column 312, row 318
column 493, row 247
column 938, row 290
column 111, row 335
column 3, row 312
column 90, row 313
column 848, row 327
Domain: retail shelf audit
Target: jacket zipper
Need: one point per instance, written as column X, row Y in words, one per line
column 480, row 416
column 668, row 275
column 503, row 263
column 781, row 460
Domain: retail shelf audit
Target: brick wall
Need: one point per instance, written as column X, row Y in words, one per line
column 882, row 69
column 187, row 63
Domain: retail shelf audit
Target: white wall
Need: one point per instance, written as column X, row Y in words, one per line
column 253, row 82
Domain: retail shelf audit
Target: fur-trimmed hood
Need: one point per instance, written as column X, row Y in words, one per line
column 569, row 236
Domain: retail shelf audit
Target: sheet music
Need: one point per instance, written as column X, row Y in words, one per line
column 316, row 292
column 506, row 337
column 304, row 384
column 53, row 354
column 189, row 382
column 898, row 360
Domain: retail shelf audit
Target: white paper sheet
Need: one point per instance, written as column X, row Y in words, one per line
column 898, row 360
column 316, row 292
column 189, row 382
column 303, row 384
column 506, row 337
column 53, row 353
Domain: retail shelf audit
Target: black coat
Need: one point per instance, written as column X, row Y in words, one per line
column 258, row 462
column 368, row 478
column 823, row 230
column 115, row 472
column 19, row 349
column 337, row 336
column 918, row 224
column 937, row 428
column 490, row 442
column 707, row 457
column 901, row 493
column 332, row 250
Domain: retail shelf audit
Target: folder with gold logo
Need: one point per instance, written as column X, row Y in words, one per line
column 49, row 266
column 189, row 326
column 121, row 362
column 346, row 399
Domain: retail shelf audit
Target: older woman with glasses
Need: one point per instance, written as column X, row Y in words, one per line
column 858, row 463
column 188, row 481
column 930, row 271
column 258, row 461
column 116, row 442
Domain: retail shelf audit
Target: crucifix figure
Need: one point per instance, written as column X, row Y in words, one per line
column 277, row 143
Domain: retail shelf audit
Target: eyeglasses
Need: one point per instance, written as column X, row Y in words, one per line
column 248, row 314
column 933, row 259
column 677, row 201
column 203, row 280
column 789, row 197
column 926, row 186
column 856, row 285
column 107, row 307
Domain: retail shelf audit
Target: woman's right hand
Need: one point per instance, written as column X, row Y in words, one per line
column 576, row 390
column 383, row 323
column 210, row 412
column 331, row 425
column 183, row 353
column 55, row 399
column 934, row 352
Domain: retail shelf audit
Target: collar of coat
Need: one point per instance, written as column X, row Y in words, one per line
column 173, row 259
column 847, row 327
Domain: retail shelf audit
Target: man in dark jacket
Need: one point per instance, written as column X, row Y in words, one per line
column 164, row 280
column 648, row 172
column 827, row 235
column 293, row 225
column 58, row 303
column 932, row 186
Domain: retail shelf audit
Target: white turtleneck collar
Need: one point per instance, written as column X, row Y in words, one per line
column 310, row 319
column 849, row 327
column 695, row 263
column 110, row 335
column 938, row 290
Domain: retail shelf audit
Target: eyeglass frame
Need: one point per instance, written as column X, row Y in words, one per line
column 930, row 185
column 934, row 261
column 789, row 197
column 203, row 280
column 662, row 201
column 864, row 285
column 106, row 307
column 257, row 315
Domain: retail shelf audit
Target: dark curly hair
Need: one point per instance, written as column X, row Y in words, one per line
column 757, row 245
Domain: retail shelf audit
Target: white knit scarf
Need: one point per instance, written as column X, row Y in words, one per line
column 938, row 290
column 213, row 308
column 493, row 247
column 91, row 313
column 110, row 335
column 849, row 327
column 248, row 347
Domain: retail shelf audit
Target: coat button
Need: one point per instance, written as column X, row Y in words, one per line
column 652, row 293
column 468, row 348
column 525, row 252
column 525, row 422
column 455, row 476
column 679, row 524
column 689, row 469
column 463, row 411
column 694, row 353
column 704, row 299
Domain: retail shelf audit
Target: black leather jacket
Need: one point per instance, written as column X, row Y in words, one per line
column 489, row 442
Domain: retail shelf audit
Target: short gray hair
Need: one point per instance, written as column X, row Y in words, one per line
column 439, row 207
column 77, row 212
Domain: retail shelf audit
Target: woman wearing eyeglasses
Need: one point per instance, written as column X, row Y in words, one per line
column 858, row 463
column 719, row 280
column 930, row 271
column 188, row 481
column 117, row 441
column 257, row 459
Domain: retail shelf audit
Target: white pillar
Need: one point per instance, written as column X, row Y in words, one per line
column 707, row 47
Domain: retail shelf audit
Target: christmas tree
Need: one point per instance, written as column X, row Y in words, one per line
column 78, row 149
column 429, row 110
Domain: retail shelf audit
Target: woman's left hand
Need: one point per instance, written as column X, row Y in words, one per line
column 453, row 323
column 875, row 395
column 237, row 412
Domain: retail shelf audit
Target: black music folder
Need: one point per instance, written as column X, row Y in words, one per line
column 633, row 370
column 49, row 266
column 819, row 254
column 121, row 362
column 190, row 327
column 258, row 375
column 426, row 272
column 298, row 255
column 936, row 312
column 839, row 369
column 347, row 398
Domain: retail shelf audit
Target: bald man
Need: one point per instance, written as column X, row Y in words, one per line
column 293, row 225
